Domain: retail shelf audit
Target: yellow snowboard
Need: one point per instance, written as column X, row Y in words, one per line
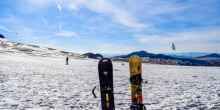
column 135, row 64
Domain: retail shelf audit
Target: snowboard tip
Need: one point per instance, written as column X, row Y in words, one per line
column 104, row 60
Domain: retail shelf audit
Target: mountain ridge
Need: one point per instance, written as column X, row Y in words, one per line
column 166, row 59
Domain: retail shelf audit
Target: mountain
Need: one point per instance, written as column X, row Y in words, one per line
column 213, row 55
column 209, row 57
column 8, row 47
column 2, row 36
column 145, row 54
column 187, row 54
column 166, row 59
column 92, row 55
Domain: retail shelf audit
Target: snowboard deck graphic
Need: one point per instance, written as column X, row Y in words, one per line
column 105, row 70
column 136, row 83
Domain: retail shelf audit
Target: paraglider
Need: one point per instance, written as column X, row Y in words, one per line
column 173, row 47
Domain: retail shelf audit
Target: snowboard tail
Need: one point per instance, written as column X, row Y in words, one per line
column 105, row 70
column 136, row 83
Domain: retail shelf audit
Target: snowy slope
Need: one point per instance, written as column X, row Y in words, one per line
column 45, row 83
column 9, row 47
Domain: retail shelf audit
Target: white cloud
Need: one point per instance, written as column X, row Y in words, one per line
column 119, row 15
column 66, row 34
column 206, row 39
column 38, row 3
column 59, row 7
column 111, row 48
column 104, row 7
column 3, row 28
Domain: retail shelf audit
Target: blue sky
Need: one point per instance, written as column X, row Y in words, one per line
column 114, row 26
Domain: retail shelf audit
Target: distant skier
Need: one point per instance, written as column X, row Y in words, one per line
column 67, row 60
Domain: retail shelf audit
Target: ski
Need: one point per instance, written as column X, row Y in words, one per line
column 136, row 83
column 105, row 70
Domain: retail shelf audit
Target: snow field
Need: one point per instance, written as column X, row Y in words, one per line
column 46, row 83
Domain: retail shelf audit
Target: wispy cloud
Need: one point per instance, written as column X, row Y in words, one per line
column 39, row 3
column 59, row 5
column 104, row 7
column 3, row 28
column 203, row 39
column 110, row 48
column 66, row 34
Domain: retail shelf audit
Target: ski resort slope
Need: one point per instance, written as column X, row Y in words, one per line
column 46, row 83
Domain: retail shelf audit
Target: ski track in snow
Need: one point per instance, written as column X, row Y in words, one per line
column 43, row 83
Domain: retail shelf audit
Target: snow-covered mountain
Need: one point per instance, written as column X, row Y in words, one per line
column 30, row 49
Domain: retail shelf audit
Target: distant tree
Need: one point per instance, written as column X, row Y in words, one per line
column 1, row 36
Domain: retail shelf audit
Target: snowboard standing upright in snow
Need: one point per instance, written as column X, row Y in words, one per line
column 136, row 83
column 105, row 70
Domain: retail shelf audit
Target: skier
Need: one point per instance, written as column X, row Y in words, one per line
column 67, row 60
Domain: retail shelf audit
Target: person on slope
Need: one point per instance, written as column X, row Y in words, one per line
column 67, row 60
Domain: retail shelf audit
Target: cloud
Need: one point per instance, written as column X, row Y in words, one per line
column 119, row 15
column 201, row 39
column 110, row 48
column 66, row 34
column 39, row 3
column 44, row 21
column 103, row 7
column 3, row 28
column 59, row 5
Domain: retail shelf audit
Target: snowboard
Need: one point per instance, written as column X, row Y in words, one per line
column 105, row 70
column 136, row 83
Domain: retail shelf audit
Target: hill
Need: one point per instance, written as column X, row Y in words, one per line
column 213, row 55
column 2, row 36
column 213, row 59
column 92, row 55
column 166, row 59
column 8, row 47
column 187, row 54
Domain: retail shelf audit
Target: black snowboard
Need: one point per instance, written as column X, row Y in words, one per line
column 106, row 84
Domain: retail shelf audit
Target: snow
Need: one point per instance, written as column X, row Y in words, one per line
column 46, row 83
column 8, row 47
